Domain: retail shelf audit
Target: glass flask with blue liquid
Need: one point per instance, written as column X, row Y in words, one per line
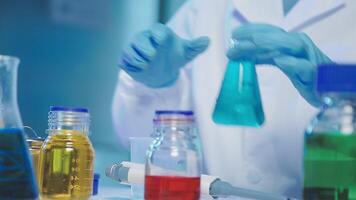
column 239, row 101
column 17, row 180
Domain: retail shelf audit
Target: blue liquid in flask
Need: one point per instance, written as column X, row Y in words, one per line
column 16, row 172
column 239, row 101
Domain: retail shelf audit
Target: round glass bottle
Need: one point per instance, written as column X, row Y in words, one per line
column 67, row 156
column 173, row 164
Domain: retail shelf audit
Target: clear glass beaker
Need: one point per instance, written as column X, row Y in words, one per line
column 34, row 144
column 239, row 100
column 35, row 149
column 138, row 150
column 173, row 164
column 17, row 180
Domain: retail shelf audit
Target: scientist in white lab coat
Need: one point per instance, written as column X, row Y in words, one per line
column 175, row 68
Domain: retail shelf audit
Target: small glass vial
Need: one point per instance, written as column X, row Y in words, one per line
column 173, row 164
column 67, row 156
column 330, row 140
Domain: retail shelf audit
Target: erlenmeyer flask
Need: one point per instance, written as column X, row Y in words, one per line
column 16, row 172
column 239, row 101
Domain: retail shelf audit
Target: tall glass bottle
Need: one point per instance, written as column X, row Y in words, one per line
column 330, row 140
column 173, row 160
column 67, row 156
column 239, row 100
column 17, row 179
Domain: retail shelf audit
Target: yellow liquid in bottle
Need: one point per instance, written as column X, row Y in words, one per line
column 66, row 166
column 35, row 149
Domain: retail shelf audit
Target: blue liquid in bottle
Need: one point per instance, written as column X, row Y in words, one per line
column 239, row 101
column 16, row 173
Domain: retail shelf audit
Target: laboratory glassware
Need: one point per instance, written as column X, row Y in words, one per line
column 67, row 156
column 330, row 139
column 35, row 149
column 173, row 164
column 138, row 150
column 211, row 187
column 239, row 100
column 17, row 180
column 34, row 143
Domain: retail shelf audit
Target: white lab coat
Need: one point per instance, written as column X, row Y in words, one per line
column 269, row 158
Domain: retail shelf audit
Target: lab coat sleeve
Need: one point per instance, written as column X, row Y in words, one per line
column 134, row 104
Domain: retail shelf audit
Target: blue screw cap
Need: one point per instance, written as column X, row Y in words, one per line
column 69, row 109
column 336, row 78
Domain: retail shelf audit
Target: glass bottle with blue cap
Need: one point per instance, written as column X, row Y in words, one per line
column 67, row 156
column 330, row 140
column 173, row 160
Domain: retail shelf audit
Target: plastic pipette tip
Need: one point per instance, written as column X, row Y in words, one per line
column 223, row 189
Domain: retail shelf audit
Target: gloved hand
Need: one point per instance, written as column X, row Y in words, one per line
column 155, row 56
column 294, row 53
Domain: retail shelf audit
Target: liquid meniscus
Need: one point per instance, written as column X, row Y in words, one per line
column 330, row 167
column 172, row 188
column 66, row 166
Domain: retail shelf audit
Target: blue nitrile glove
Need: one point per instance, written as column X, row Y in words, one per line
column 155, row 56
column 294, row 53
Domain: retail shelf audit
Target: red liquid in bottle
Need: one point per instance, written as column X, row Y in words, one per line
column 172, row 188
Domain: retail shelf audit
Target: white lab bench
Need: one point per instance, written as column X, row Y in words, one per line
column 113, row 193
column 123, row 193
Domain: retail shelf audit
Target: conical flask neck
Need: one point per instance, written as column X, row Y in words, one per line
column 9, row 113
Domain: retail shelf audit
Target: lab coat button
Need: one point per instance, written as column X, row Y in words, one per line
column 254, row 177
